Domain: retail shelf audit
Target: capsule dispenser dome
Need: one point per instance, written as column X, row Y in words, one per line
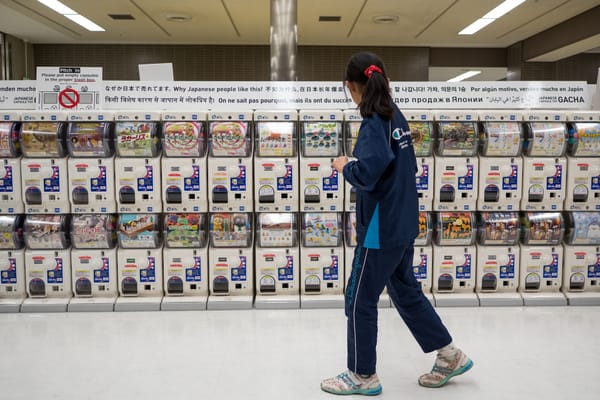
column 351, row 131
column 90, row 141
column 423, row 254
column 231, row 260
column 498, row 258
column 421, row 124
column 140, row 262
column 44, row 166
column 184, row 162
column 137, row 165
column 581, row 274
column 544, row 164
column 10, row 161
column 94, row 262
column 12, row 263
column 321, row 141
column 542, row 258
column 277, row 261
column 230, row 151
column 276, row 168
column 322, row 260
column 456, row 162
column 583, row 163
column 454, row 263
column 500, row 162
column 47, row 263
column 185, row 258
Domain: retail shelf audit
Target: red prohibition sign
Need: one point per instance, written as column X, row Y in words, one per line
column 68, row 98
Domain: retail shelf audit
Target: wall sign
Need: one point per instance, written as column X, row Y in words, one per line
column 69, row 88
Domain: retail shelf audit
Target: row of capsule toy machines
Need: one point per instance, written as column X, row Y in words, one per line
column 507, row 258
column 273, row 163
column 172, row 261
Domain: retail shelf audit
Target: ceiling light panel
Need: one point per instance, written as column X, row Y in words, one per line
column 462, row 77
column 72, row 15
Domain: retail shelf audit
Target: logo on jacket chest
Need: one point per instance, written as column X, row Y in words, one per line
column 403, row 138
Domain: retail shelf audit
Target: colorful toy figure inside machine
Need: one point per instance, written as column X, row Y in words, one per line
column 277, row 261
column 137, row 166
column 94, row 260
column 583, row 165
column 456, row 164
column 582, row 258
column 185, row 261
column 542, row 255
column 276, row 163
column 231, row 258
column 47, row 258
column 454, row 264
column 91, row 165
column 322, row 271
column 43, row 167
column 230, row 172
column 184, row 175
column 321, row 189
column 12, row 263
column 10, row 164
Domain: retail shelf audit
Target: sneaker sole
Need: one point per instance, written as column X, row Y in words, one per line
column 365, row 392
column 459, row 371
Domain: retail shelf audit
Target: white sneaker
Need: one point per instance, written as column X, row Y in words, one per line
column 444, row 369
column 348, row 383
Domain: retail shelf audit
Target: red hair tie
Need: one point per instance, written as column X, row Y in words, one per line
column 370, row 69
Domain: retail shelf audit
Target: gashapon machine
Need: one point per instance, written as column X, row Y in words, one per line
column 583, row 177
column 498, row 259
column 137, row 165
column 454, row 258
column 90, row 140
column 456, row 162
column 47, row 263
column 350, row 244
column 10, row 164
column 12, row 263
column 44, row 165
column 276, row 161
column 184, row 185
column 500, row 162
column 185, row 260
column 93, row 262
column 420, row 123
column 231, row 268
column 541, row 271
column 230, row 162
column 321, row 187
column 139, row 262
column 544, row 164
column 423, row 255
column 581, row 277
column 322, row 261
column 352, row 122
column 277, row 261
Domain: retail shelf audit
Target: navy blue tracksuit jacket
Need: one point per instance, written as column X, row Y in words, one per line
column 386, row 226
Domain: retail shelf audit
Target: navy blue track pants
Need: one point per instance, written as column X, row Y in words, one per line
column 372, row 270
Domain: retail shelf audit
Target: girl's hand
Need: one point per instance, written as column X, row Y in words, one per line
column 339, row 163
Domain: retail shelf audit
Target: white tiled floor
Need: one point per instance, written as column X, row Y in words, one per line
column 519, row 353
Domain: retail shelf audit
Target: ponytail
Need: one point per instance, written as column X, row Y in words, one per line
column 368, row 70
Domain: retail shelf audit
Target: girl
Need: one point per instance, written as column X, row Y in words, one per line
column 386, row 226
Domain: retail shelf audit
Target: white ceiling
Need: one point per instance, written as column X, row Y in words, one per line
column 425, row 23
column 431, row 23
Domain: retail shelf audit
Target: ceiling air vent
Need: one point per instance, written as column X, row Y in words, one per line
column 330, row 18
column 121, row 16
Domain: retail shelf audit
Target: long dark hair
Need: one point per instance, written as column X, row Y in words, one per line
column 376, row 97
